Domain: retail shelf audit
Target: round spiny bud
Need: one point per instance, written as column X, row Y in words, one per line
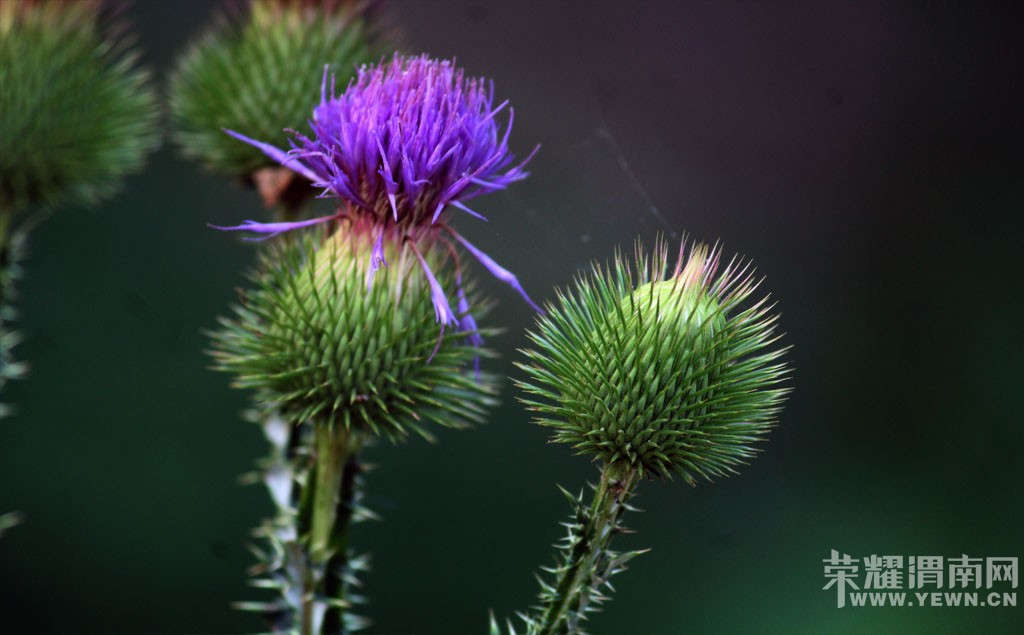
column 259, row 73
column 665, row 371
column 322, row 339
column 77, row 115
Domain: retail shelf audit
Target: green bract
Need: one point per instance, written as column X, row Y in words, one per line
column 319, row 343
column 259, row 73
column 663, row 370
column 76, row 114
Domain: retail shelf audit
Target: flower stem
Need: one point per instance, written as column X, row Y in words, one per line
column 587, row 559
column 337, row 573
column 336, row 468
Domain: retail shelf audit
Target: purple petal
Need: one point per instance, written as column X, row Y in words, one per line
column 437, row 212
column 273, row 229
column 468, row 325
column 487, row 184
column 442, row 309
column 468, row 211
column 389, row 182
column 280, row 156
column 497, row 270
column 500, row 107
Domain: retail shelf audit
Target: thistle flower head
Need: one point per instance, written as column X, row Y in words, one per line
column 666, row 370
column 76, row 114
column 318, row 344
column 257, row 72
column 407, row 140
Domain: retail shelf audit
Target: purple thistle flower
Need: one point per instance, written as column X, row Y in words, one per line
column 408, row 140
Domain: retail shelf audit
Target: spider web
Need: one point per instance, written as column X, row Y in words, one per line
column 585, row 202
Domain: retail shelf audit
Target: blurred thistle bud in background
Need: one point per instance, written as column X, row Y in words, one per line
column 256, row 71
column 77, row 114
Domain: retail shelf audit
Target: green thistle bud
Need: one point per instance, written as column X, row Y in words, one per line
column 662, row 371
column 328, row 337
column 258, row 73
column 77, row 113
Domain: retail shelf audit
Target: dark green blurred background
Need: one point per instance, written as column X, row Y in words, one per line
column 867, row 157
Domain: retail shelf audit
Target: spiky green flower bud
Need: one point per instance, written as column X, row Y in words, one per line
column 258, row 73
column 77, row 113
column 322, row 339
column 657, row 369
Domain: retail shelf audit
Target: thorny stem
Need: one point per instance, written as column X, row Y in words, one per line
column 573, row 591
column 314, row 476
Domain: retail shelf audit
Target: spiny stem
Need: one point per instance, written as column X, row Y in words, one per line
column 588, row 561
column 314, row 476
